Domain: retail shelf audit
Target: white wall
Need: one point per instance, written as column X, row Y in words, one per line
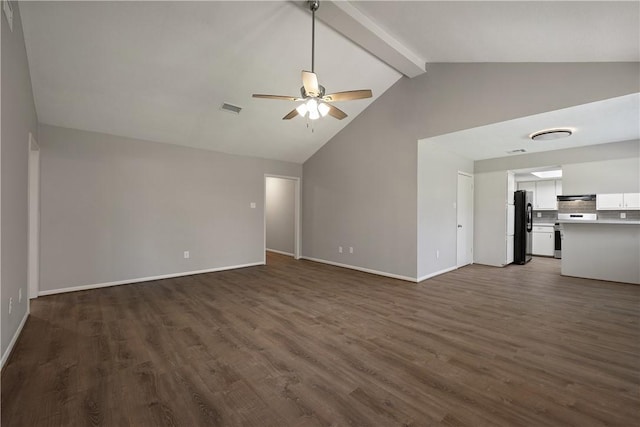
column 18, row 119
column 280, row 214
column 117, row 209
column 437, row 214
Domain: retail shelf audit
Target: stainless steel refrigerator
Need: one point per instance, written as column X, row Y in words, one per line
column 523, row 223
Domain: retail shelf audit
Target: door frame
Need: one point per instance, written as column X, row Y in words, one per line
column 469, row 175
column 34, row 218
column 297, row 234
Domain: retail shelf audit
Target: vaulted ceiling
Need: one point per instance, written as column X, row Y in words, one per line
column 160, row 71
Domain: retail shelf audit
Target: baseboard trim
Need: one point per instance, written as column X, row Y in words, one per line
column 365, row 270
column 15, row 337
column 437, row 273
column 145, row 279
column 279, row 252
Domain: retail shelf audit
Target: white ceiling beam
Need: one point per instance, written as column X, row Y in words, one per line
column 346, row 19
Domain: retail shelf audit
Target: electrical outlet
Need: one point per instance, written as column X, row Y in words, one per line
column 10, row 304
column 186, row 254
column 539, row 214
column 252, row 205
column 623, row 215
column 339, row 249
column 20, row 295
column 437, row 253
column 350, row 249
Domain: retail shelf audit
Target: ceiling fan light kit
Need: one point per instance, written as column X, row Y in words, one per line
column 316, row 103
column 550, row 134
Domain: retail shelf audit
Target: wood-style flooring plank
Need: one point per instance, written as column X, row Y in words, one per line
column 297, row 343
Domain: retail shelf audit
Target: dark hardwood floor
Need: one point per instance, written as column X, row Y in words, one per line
column 297, row 343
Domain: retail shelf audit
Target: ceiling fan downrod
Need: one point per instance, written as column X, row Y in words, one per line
column 313, row 5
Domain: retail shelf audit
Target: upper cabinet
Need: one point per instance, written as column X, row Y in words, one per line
column 511, row 187
column 544, row 193
column 545, row 197
column 618, row 201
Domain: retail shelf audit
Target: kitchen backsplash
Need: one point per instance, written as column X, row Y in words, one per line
column 577, row 206
column 550, row 217
column 547, row 217
column 631, row 215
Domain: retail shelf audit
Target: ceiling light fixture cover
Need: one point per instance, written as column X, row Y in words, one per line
column 549, row 134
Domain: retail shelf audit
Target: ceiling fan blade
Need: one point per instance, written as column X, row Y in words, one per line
column 336, row 112
column 310, row 83
column 291, row 115
column 348, row 95
column 281, row 97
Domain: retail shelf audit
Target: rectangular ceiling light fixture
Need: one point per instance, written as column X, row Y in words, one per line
column 548, row 174
column 231, row 108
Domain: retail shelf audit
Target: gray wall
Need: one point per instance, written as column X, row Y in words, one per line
column 115, row 209
column 605, row 168
column 602, row 176
column 18, row 119
column 437, row 214
column 360, row 189
column 280, row 214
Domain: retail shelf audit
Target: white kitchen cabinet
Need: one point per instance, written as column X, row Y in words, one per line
column 631, row 200
column 511, row 187
column 544, row 193
column 543, row 240
column 618, row 201
column 545, row 196
column 510, row 249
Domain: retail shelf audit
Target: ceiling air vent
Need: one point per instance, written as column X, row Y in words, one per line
column 231, row 108
column 519, row 150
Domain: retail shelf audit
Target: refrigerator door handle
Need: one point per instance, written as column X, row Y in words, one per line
column 529, row 218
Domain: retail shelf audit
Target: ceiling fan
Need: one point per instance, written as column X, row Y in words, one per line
column 316, row 104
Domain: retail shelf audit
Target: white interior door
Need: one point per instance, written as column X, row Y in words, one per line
column 465, row 220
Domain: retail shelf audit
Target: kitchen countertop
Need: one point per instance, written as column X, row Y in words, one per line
column 544, row 224
column 598, row 221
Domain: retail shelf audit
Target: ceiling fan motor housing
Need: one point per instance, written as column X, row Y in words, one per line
column 306, row 95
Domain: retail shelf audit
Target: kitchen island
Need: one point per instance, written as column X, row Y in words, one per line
column 601, row 249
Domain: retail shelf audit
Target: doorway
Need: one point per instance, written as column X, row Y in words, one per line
column 34, row 218
column 282, row 215
column 464, row 207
